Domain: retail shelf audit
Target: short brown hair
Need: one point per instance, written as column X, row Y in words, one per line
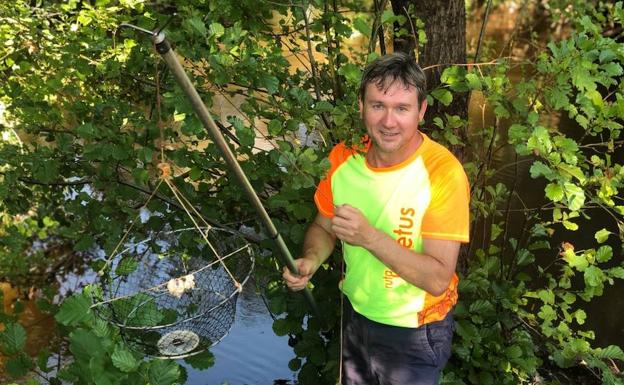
column 387, row 69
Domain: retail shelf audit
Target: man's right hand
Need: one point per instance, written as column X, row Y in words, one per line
column 318, row 245
column 307, row 267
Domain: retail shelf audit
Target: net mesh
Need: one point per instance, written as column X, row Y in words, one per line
column 174, row 294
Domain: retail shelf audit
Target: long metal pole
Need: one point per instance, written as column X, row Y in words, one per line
column 164, row 49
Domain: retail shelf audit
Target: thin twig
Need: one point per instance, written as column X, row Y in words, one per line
column 315, row 79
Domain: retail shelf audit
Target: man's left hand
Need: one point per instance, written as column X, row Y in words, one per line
column 351, row 226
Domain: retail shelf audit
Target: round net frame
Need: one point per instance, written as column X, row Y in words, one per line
column 174, row 294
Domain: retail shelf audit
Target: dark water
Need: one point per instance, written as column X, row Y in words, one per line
column 251, row 354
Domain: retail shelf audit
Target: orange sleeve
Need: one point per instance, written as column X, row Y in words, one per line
column 323, row 196
column 447, row 216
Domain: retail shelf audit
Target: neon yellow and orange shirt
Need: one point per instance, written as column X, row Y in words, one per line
column 425, row 196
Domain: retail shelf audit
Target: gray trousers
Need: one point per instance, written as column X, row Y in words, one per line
column 379, row 354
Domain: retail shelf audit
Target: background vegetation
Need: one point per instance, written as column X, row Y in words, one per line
column 81, row 120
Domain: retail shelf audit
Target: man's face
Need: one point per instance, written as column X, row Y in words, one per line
column 391, row 117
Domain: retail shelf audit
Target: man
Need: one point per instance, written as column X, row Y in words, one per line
column 400, row 207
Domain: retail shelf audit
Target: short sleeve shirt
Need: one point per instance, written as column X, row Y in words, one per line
column 425, row 196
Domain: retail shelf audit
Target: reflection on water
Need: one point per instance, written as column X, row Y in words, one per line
column 40, row 328
column 251, row 354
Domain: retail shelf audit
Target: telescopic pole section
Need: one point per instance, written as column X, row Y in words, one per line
column 164, row 49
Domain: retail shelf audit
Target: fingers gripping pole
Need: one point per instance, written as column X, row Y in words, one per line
column 164, row 49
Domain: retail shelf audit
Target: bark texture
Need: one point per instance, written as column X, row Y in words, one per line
column 445, row 26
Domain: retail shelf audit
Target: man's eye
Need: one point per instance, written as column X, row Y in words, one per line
column 377, row 106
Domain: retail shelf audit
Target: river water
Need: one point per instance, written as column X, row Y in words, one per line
column 251, row 354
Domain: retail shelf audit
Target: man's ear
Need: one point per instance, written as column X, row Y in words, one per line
column 422, row 110
column 361, row 105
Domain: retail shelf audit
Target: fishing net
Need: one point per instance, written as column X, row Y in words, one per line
column 174, row 294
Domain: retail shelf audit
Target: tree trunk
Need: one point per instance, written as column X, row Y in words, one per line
column 445, row 26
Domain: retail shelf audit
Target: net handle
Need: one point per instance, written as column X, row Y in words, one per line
column 164, row 49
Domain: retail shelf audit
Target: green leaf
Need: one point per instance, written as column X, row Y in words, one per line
column 547, row 296
column 443, row 95
column 126, row 266
column 547, row 313
column 570, row 225
column 455, row 77
column 593, row 276
column 513, row 352
column 163, row 372
column 481, row 306
column 351, row 72
column 201, row 361
column 575, row 171
column 606, row 55
column 602, row 235
column 610, row 352
column 86, row 131
column 216, row 29
column 138, row 310
column 540, row 141
column 525, row 257
column 616, row 272
column 576, row 261
column 604, row 254
column 145, row 154
column 554, row 192
column 280, row 327
column 517, row 134
column 271, row 83
column 568, row 298
column 468, row 331
column 196, row 25
column 580, row 316
column 474, row 82
column 613, row 69
column 575, row 196
column 74, row 309
column 294, row 364
column 195, row 173
column 596, row 98
column 42, row 360
column 274, row 127
column 245, row 134
column 101, row 328
column 386, row 16
column 324, row 106
column 123, row 359
column 362, row 26
column 84, row 243
column 538, row 169
column 19, row 365
column 84, row 344
column 13, row 338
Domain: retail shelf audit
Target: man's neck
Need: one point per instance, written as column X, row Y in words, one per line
column 379, row 159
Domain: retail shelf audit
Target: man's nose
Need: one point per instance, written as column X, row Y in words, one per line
column 389, row 119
